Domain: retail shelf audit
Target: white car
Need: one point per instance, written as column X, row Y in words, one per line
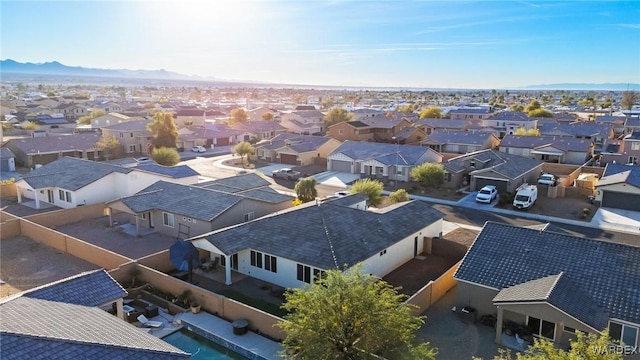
column 198, row 149
column 547, row 179
column 487, row 194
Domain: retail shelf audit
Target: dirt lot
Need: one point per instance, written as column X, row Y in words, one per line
column 25, row 264
column 567, row 207
column 417, row 273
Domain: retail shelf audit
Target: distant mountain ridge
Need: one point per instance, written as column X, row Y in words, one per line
column 56, row 68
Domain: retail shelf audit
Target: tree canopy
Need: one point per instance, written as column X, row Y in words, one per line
column 629, row 98
column 371, row 188
column 238, row 115
column 243, row 149
column 428, row 174
column 86, row 120
column 29, row 125
column 306, row 189
column 540, row 113
column 163, row 129
column 526, row 132
column 432, row 112
column 166, row 156
column 268, row 116
column 337, row 115
column 398, row 196
column 350, row 315
column 110, row 146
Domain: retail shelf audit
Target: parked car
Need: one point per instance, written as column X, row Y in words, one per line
column 198, row 149
column 548, row 179
column 526, row 196
column 286, row 174
column 487, row 194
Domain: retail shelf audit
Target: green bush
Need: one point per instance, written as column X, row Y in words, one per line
column 506, row 198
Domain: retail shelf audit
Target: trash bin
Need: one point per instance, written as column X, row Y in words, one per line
column 592, row 199
column 468, row 314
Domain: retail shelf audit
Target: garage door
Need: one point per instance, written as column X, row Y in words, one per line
column 223, row 141
column 288, row 159
column 499, row 184
column 620, row 200
column 342, row 166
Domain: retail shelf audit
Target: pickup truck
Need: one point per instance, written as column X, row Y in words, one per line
column 286, row 174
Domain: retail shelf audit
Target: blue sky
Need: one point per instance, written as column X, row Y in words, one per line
column 421, row 44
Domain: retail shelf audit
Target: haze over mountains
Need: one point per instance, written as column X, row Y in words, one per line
column 10, row 66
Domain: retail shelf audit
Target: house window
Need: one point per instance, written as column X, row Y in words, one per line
column 569, row 330
column 68, row 194
column 635, row 145
column 383, row 252
column 542, row 328
column 121, row 135
column 61, row 194
column 304, row 273
column 340, row 132
column 633, row 160
column 318, row 274
column 256, row 259
column 132, row 148
column 130, row 134
column 447, row 176
column 270, row 263
column 167, row 219
column 249, row 216
column 625, row 334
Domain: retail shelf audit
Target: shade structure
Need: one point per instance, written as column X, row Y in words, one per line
column 183, row 255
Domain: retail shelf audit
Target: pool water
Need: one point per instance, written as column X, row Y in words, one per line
column 199, row 347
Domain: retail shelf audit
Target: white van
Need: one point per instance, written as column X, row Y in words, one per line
column 526, row 196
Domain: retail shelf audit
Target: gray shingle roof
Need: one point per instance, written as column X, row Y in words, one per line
column 41, row 329
column 457, row 137
column 137, row 125
column 445, row 123
column 236, row 183
column 578, row 129
column 511, row 116
column 259, row 126
column 89, row 289
column 70, row 173
column 389, row 154
column 560, row 143
column 191, row 201
column 312, row 234
column 57, row 143
column 509, row 165
column 175, row 172
column 504, row 255
column 560, row 292
column 6, row 153
column 298, row 143
column 632, row 122
column 381, row 121
column 616, row 173
column 611, row 119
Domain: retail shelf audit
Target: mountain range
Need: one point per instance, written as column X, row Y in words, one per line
column 10, row 66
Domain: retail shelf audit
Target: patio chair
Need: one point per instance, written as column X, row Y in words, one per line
column 150, row 323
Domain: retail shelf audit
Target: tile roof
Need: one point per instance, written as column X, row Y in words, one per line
column 632, row 122
column 70, row 173
column 57, row 143
column 191, row 201
column 481, row 111
column 633, row 136
column 558, row 142
column 617, row 173
column 6, row 153
column 236, row 183
column 259, row 126
column 381, row 121
column 508, row 165
column 444, row 123
column 41, row 329
column 511, row 116
column 324, row 236
column 137, row 125
column 457, row 137
column 504, row 255
column 559, row 291
column 298, row 143
column 174, row 172
column 582, row 128
column 92, row 288
column 611, row 119
column 389, row 154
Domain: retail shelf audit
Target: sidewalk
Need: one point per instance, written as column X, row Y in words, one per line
column 605, row 218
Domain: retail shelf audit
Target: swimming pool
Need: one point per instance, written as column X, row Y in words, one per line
column 199, row 347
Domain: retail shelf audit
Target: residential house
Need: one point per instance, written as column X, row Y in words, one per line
column 490, row 167
column 598, row 133
column 565, row 118
column 257, row 130
column 133, row 135
column 220, row 135
column 460, row 142
column 65, row 320
column 33, row 151
column 554, row 283
column 108, row 106
column 72, row 111
column 111, row 119
column 471, row 113
column 622, row 151
column 380, row 160
column 377, row 128
column 631, row 124
column 195, row 117
column 292, row 248
column 48, row 122
column 7, row 160
column 430, row 125
column 303, row 122
column 70, row 182
column 616, row 122
column 553, row 149
column 258, row 113
column 298, row 150
column 190, row 210
column 619, row 187
column 507, row 122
